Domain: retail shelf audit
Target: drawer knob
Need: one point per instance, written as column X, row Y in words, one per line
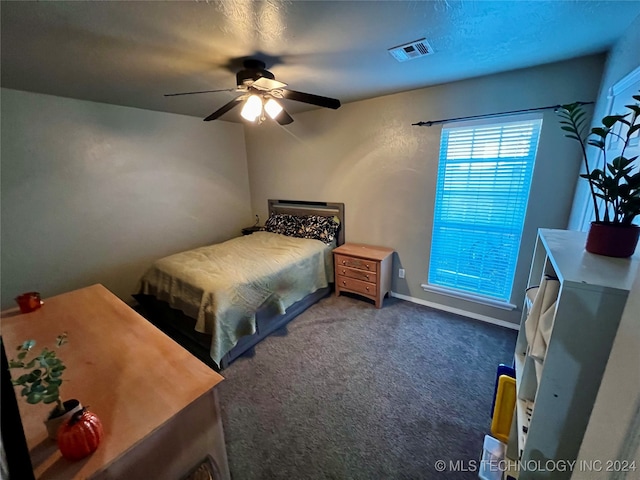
column 367, row 289
column 344, row 272
column 367, row 277
column 367, row 265
column 344, row 283
column 344, row 262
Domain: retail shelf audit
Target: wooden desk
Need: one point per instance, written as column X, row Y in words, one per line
column 156, row 401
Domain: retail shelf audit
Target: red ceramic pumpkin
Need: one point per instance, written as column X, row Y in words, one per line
column 80, row 436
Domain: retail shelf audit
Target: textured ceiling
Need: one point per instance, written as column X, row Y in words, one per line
column 131, row 53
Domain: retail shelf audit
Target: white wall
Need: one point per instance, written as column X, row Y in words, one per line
column 613, row 433
column 367, row 155
column 93, row 192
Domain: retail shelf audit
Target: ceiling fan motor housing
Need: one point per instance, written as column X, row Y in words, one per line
column 255, row 79
column 253, row 70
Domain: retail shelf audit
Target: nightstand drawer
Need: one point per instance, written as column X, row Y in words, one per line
column 358, row 274
column 359, row 263
column 357, row 285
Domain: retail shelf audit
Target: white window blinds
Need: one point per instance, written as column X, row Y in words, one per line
column 484, row 175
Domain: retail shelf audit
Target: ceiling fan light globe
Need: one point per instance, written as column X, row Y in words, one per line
column 252, row 108
column 273, row 108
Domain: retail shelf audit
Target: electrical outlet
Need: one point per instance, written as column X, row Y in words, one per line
column 401, row 272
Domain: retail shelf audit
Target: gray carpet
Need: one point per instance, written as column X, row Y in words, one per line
column 352, row 392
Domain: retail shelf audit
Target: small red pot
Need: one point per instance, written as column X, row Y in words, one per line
column 28, row 302
column 612, row 240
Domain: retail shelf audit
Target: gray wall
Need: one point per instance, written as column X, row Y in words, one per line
column 107, row 189
column 93, row 192
column 367, row 155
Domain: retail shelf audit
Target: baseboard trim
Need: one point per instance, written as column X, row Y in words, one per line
column 457, row 311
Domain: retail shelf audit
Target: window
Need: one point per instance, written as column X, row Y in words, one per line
column 484, row 175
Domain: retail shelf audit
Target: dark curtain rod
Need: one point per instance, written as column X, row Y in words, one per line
column 489, row 115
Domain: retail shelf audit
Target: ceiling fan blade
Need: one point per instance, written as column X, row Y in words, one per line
column 310, row 98
column 264, row 83
column 225, row 108
column 283, row 118
column 202, row 91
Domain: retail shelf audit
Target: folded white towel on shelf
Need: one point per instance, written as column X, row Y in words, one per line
column 539, row 322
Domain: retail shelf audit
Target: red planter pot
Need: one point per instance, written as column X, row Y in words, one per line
column 28, row 302
column 612, row 240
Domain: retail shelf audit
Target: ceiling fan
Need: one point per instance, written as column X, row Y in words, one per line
column 260, row 92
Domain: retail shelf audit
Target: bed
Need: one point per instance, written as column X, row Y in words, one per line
column 220, row 300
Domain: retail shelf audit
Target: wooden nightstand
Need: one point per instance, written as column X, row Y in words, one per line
column 364, row 270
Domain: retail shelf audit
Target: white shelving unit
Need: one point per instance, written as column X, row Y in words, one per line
column 553, row 406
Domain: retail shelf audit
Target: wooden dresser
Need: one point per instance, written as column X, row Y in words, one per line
column 364, row 270
column 156, row 401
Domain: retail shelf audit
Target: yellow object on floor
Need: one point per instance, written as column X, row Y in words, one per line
column 503, row 412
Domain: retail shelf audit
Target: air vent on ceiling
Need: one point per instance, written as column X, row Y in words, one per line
column 409, row 51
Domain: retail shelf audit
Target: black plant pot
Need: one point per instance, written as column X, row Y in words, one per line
column 612, row 240
column 53, row 424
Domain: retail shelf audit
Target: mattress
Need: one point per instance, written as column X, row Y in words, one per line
column 222, row 286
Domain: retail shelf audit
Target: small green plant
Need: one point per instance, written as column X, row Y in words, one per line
column 614, row 183
column 42, row 381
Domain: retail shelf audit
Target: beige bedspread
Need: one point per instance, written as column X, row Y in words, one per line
column 223, row 285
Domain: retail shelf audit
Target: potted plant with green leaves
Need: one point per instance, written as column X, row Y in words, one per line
column 614, row 179
column 41, row 382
